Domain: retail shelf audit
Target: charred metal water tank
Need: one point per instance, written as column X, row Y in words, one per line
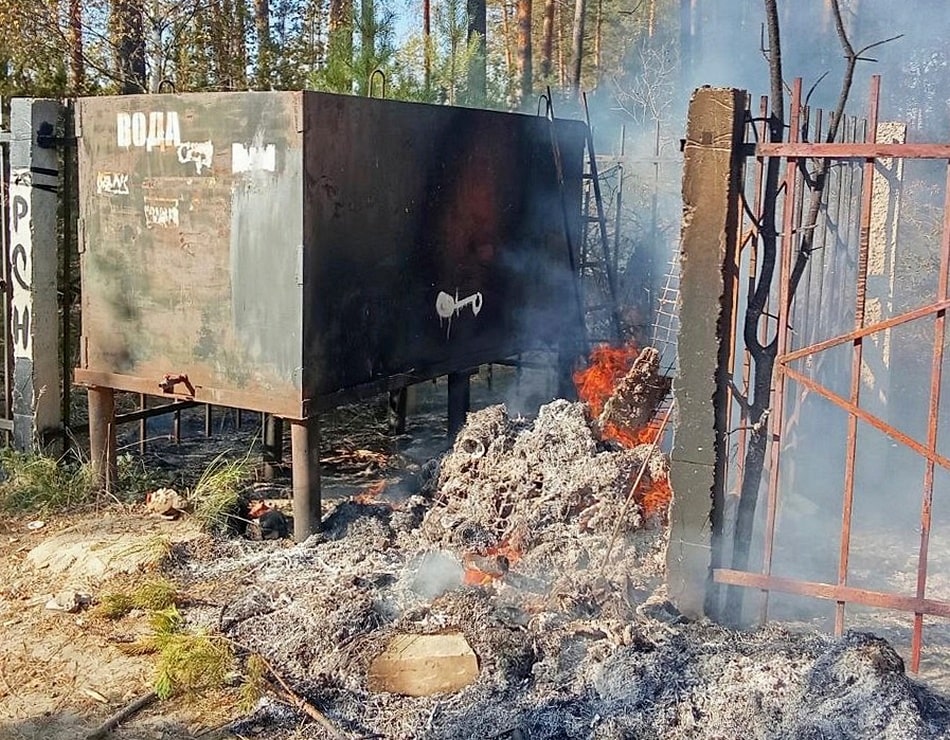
column 284, row 251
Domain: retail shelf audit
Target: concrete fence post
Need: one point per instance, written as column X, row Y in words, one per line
column 34, row 310
column 711, row 187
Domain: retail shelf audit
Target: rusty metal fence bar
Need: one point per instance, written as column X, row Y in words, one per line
column 795, row 152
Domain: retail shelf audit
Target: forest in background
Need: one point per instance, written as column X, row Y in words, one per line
column 639, row 58
column 638, row 61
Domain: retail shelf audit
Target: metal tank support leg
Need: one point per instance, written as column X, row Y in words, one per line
column 305, row 451
column 273, row 445
column 102, row 445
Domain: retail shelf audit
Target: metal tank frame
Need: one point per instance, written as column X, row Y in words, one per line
column 286, row 252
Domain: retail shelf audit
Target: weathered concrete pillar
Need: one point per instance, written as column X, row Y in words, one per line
column 711, row 178
column 878, row 373
column 34, row 311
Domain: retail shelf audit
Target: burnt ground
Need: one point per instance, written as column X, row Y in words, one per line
column 576, row 641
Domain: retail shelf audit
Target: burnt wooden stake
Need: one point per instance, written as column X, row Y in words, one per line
column 460, row 397
column 102, row 445
column 143, row 424
column 305, row 451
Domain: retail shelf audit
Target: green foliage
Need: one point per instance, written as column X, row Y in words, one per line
column 255, row 682
column 217, row 496
column 134, row 479
column 43, row 484
column 359, row 47
column 449, row 65
column 187, row 661
column 158, row 594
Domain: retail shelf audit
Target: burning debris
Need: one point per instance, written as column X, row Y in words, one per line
column 623, row 388
column 520, row 594
column 508, row 484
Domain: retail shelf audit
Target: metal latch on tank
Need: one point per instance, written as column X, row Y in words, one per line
column 168, row 383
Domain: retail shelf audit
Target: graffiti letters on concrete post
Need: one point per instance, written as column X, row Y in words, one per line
column 21, row 257
column 253, row 157
column 199, row 152
column 161, row 212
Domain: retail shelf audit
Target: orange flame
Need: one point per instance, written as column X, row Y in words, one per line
column 371, row 494
column 607, row 366
column 474, row 576
column 655, row 500
column 507, row 549
column 597, row 383
column 594, row 386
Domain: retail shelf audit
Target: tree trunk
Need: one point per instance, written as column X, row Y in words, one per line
column 130, row 46
column 477, row 74
column 686, row 42
column 599, row 37
column 157, row 50
column 340, row 42
column 577, row 45
column 238, row 45
column 427, row 44
column 367, row 44
column 526, row 75
column 561, row 61
column 77, row 69
column 264, row 47
column 547, row 40
column 763, row 356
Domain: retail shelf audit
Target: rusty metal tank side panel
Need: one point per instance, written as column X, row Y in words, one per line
column 191, row 209
column 434, row 239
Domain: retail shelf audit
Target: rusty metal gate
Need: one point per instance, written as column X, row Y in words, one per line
column 849, row 503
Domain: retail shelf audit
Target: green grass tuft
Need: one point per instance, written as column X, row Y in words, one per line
column 44, row 484
column 187, row 661
column 134, row 480
column 158, row 595
column 255, row 682
column 217, row 496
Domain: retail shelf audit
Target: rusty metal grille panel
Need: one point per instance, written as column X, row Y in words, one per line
column 853, row 514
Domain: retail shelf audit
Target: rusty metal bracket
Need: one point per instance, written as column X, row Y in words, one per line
column 168, row 383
